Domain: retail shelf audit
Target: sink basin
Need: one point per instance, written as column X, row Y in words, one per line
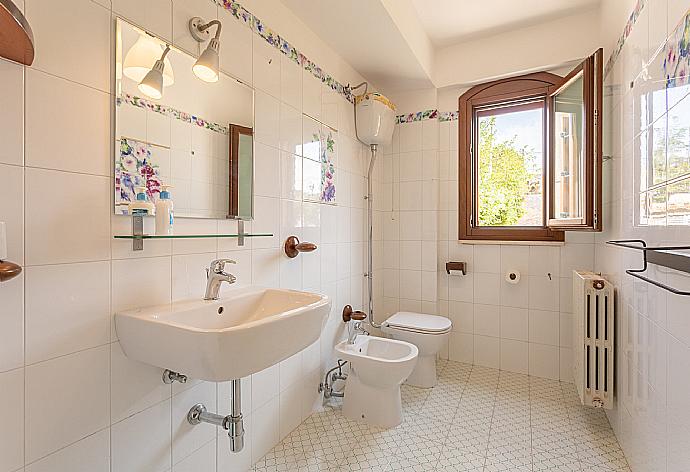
column 248, row 330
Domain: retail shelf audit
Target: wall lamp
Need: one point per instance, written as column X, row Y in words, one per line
column 207, row 66
column 152, row 83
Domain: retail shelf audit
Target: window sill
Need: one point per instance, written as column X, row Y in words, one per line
column 477, row 242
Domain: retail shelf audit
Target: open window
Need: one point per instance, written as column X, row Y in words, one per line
column 575, row 148
column 530, row 156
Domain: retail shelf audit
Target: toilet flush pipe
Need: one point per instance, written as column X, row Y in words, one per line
column 370, row 214
column 370, row 229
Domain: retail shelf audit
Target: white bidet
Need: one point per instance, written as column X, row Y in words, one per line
column 378, row 366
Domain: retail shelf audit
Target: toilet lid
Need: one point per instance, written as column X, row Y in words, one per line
column 419, row 322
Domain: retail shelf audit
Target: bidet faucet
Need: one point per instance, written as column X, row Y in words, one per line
column 216, row 275
column 354, row 323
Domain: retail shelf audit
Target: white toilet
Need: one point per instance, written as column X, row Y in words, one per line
column 378, row 366
column 429, row 333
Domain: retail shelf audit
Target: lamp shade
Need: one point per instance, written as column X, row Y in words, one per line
column 137, row 63
column 152, row 83
column 206, row 67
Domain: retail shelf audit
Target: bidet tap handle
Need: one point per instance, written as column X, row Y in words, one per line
column 350, row 314
column 218, row 265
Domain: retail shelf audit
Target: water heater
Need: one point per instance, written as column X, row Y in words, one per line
column 375, row 116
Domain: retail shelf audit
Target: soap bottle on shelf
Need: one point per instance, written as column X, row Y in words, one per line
column 164, row 212
column 141, row 206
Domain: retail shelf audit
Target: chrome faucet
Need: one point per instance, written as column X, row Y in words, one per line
column 216, row 275
column 354, row 329
column 354, row 323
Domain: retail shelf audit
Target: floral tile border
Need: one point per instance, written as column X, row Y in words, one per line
column 280, row 43
column 632, row 19
column 432, row 114
column 171, row 112
column 677, row 54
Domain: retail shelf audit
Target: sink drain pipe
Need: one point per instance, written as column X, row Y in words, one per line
column 232, row 423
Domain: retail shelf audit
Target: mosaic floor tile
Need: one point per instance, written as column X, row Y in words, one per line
column 476, row 419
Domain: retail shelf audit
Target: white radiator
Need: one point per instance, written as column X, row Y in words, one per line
column 593, row 343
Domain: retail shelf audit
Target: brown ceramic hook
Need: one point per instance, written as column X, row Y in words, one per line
column 293, row 247
column 9, row 270
column 350, row 314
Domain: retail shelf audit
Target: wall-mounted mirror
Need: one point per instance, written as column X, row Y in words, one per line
column 196, row 138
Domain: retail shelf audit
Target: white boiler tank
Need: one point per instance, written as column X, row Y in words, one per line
column 375, row 118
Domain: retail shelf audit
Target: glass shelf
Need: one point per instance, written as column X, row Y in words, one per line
column 191, row 236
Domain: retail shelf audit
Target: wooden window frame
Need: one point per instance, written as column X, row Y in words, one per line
column 518, row 93
column 233, row 198
column 530, row 87
column 592, row 71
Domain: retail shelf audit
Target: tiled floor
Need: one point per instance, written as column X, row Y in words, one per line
column 475, row 419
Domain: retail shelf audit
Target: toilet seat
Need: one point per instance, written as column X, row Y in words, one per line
column 419, row 323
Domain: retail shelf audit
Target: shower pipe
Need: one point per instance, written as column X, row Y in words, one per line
column 370, row 213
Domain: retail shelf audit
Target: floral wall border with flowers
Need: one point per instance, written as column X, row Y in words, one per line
column 171, row 112
column 676, row 53
column 280, row 43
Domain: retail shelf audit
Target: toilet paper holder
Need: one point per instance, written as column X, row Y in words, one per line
column 461, row 266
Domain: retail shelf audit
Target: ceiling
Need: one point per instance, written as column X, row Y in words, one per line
column 448, row 22
column 395, row 44
column 365, row 35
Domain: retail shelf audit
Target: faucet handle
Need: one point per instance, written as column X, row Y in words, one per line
column 350, row 314
column 218, row 265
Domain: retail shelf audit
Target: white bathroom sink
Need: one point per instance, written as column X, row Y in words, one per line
column 248, row 330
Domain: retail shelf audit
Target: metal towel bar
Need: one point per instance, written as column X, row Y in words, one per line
column 658, row 255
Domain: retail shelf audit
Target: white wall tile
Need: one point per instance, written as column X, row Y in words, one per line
column 188, row 438
column 265, row 430
column 12, row 325
column 487, row 288
column 128, row 291
column 154, row 15
column 461, row 348
column 290, row 409
column 514, row 356
column 544, row 361
column 311, row 95
column 12, row 106
column 12, row 428
column 50, row 400
column 62, row 53
column 544, row 292
column 266, row 119
column 544, row 327
column 487, row 258
column 290, row 82
column 266, row 67
column 84, row 119
column 134, row 386
column 91, row 453
column 515, row 258
column 486, row 351
column 236, row 54
column 12, row 210
column 67, row 309
column 487, row 320
column 72, row 223
column 514, row 323
column 141, row 443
